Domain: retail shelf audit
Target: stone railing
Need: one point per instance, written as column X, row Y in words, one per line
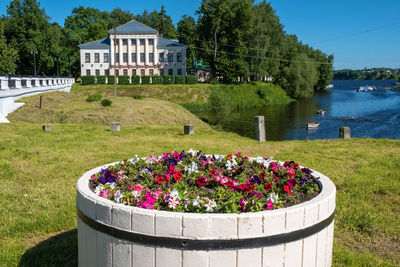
column 20, row 82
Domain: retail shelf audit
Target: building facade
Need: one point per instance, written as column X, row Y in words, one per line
column 133, row 49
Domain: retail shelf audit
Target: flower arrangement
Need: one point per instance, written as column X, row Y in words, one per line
column 194, row 182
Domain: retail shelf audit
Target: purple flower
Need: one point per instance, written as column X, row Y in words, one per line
column 306, row 170
column 256, row 179
column 102, row 180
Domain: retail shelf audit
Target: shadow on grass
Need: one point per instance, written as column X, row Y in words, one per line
column 60, row 250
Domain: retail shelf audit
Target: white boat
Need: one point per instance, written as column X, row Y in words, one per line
column 312, row 124
column 320, row 111
column 366, row 88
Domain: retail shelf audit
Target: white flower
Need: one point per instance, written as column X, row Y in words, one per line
column 136, row 193
column 273, row 197
column 192, row 152
column 263, row 161
column 117, row 196
column 186, row 202
column 173, row 202
column 193, row 168
column 135, row 159
column 197, row 201
column 98, row 189
column 174, row 194
column 112, row 185
column 210, row 205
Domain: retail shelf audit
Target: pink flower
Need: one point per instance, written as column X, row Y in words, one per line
column 105, row 193
column 291, row 172
column 138, row 188
column 146, row 205
column 270, row 206
column 176, row 155
column 121, row 173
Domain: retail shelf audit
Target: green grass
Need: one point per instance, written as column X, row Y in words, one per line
column 40, row 169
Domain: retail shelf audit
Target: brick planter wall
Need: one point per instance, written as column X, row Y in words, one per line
column 236, row 231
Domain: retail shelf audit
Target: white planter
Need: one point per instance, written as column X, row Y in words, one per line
column 111, row 234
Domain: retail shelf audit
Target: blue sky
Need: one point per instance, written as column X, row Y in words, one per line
column 360, row 33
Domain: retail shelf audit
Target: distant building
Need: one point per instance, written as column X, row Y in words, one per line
column 200, row 70
column 133, row 49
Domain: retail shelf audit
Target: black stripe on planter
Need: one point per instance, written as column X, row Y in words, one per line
column 209, row 244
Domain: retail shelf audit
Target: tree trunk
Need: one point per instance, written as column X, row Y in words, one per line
column 215, row 51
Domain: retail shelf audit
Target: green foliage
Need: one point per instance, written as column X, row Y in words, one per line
column 88, row 80
column 135, row 79
column 360, row 220
column 191, row 79
column 100, row 79
column 146, row 79
column 123, row 79
column 155, row 79
column 168, row 79
column 138, row 97
column 106, row 102
column 366, row 74
column 160, row 21
column 110, row 79
column 8, row 55
column 220, row 104
column 187, row 35
column 179, row 79
column 93, row 98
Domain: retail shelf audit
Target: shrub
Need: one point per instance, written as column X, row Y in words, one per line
column 106, row 102
column 156, row 80
column 93, row 98
column 191, row 79
column 180, row 79
column 110, row 79
column 135, row 79
column 101, row 79
column 87, row 80
column 168, row 79
column 214, row 81
column 146, row 79
column 138, row 97
column 123, row 79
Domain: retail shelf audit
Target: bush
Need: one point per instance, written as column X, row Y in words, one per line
column 106, row 102
column 168, row 79
column 110, row 79
column 93, row 98
column 179, row 79
column 87, row 80
column 123, row 79
column 214, row 81
column 156, row 80
column 145, row 79
column 138, row 97
column 135, row 79
column 100, row 79
column 191, row 79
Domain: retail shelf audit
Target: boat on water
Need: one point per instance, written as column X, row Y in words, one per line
column 366, row 88
column 320, row 111
column 312, row 124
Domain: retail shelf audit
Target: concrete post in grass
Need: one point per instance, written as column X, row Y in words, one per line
column 344, row 133
column 188, row 129
column 47, row 128
column 115, row 127
column 259, row 125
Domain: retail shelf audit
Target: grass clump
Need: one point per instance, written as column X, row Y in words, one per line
column 106, row 102
column 93, row 98
column 138, row 97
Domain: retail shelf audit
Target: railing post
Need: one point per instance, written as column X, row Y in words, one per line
column 17, row 82
column 259, row 126
column 4, row 83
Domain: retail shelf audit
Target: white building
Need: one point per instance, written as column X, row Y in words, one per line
column 133, row 49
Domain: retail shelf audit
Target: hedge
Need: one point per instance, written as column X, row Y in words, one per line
column 87, row 80
column 146, row 79
column 101, row 79
column 180, row 79
column 168, row 79
column 156, row 79
column 191, row 79
column 135, row 79
column 110, row 79
column 123, row 79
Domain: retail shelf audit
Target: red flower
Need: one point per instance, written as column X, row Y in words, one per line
column 268, row 186
column 201, row 181
column 229, row 156
column 262, row 175
column 212, row 172
column 286, row 188
column 160, row 179
column 178, row 176
column 246, row 187
column 291, row 183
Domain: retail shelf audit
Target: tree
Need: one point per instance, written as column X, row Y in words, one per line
column 165, row 26
column 117, row 17
column 187, row 32
column 8, row 55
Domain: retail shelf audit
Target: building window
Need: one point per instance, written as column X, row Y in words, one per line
column 161, row 57
column 170, row 72
column 151, row 42
column 179, row 57
column 125, row 41
column 116, row 57
column 170, row 57
column 133, row 57
column 87, row 57
column 105, row 57
column 151, row 72
column 151, row 57
column 133, row 72
column 107, row 73
column 125, row 57
column 96, row 58
column 141, row 72
column 162, row 72
column 87, row 72
column 133, row 41
column 126, row 72
column 142, row 41
column 141, row 57
column 179, row 72
column 97, row 72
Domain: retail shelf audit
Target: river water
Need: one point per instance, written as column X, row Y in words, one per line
column 368, row 114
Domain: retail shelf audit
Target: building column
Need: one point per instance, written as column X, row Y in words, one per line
column 155, row 51
column 112, row 56
column 129, row 52
column 137, row 52
column 146, row 51
column 120, row 51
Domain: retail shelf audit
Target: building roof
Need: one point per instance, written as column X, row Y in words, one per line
column 133, row 27
column 162, row 42
column 99, row 44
